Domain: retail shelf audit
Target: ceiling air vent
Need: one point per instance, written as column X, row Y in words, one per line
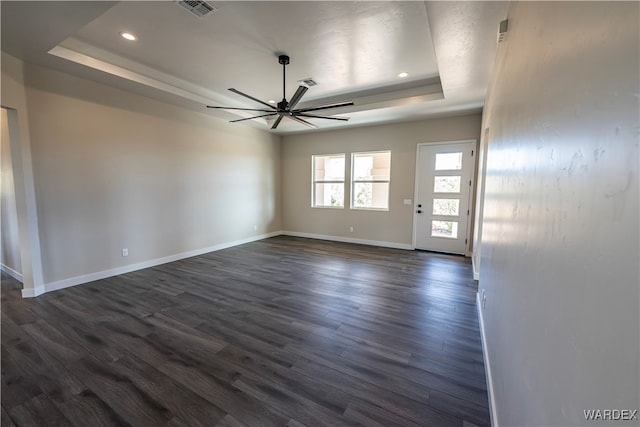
column 307, row 82
column 197, row 7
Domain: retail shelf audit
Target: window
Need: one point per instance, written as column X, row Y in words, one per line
column 370, row 177
column 448, row 229
column 328, row 181
column 448, row 161
column 446, row 187
column 446, row 184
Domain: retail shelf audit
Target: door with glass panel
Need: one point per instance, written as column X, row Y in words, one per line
column 443, row 196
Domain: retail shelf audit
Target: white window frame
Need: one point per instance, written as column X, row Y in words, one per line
column 314, row 181
column 355, row 181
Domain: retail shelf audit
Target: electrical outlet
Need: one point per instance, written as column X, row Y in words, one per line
column 125, row 252
column 350, row 229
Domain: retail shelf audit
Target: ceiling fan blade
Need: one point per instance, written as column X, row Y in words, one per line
column 277, row 122
column 296, row 96
column 251, row 118
column 344, row 119
column 324, row 107
column 304, row 122
column 241, row 109
column 252, row 98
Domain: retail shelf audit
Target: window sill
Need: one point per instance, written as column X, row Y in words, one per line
column 370, row 209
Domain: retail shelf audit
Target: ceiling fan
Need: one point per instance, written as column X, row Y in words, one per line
column 286, row 108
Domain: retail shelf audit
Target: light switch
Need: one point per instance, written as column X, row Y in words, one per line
column 407, row 202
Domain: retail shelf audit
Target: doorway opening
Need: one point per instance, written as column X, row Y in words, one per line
column 10, row 259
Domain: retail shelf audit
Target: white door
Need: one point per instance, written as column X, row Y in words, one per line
column 443, row 196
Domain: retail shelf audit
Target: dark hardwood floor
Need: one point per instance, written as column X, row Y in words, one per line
column 284, row 331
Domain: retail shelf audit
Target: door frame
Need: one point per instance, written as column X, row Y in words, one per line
column 472, row 191
column 26, row 207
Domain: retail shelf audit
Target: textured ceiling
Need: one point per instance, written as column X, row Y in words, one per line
column 353, row 50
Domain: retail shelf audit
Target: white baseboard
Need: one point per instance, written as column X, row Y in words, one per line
column 349, row 240
column 78, row 280
column 33, row 292
column 11, row 272
column 487, row 365
column 476, row 268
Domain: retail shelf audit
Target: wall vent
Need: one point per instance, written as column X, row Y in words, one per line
column 197, row 7
column 502, row 30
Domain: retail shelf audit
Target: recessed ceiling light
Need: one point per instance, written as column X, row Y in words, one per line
column 128, row 36
column 271, row 101
column 403, row 74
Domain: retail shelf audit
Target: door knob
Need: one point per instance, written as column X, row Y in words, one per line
column 418, row 211
column 420, row 206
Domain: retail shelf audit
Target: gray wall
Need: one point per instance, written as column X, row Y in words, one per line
column 560, row 236
column 114, row 170
column 393, row 227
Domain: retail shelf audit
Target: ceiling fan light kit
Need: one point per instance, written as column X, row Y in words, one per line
column 286, row 108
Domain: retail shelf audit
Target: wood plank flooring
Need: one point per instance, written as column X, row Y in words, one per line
column 280, row 332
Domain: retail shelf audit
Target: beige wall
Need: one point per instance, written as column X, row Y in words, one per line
column 9, row 237
column 114, row 170
column 390, row 227
column 561, row 233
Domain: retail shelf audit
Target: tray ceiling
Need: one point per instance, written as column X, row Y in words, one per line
column 353, row 50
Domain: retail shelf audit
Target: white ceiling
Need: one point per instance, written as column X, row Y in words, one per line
column 353, row 50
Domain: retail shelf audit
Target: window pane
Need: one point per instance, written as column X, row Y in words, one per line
column 362, row 166
column 447, row 229
column 372, row 166
column 446, row 184
column 328, row 168
column 374, row 195
column 448, row 161
column 329, row 194
column 446, row 206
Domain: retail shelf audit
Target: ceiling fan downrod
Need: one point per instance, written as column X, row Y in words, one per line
column 284, row 60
